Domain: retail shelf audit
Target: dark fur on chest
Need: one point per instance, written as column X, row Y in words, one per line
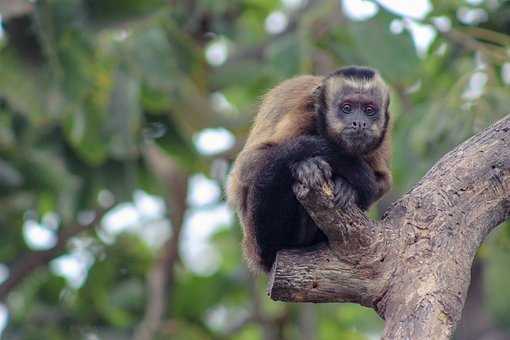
column 278, row 218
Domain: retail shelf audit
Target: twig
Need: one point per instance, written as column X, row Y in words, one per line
column 36, row 259
column 161, row 276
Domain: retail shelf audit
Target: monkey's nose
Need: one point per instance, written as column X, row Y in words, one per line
column 359, row 125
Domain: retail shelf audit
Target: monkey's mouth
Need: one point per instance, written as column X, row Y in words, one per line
column 356, row 141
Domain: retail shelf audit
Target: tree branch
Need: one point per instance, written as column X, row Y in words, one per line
column 161, row 276
column 31, row 261
column 413, row 266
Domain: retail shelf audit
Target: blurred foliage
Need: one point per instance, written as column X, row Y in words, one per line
column 87, row 87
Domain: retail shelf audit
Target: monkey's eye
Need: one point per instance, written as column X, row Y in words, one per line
column 369, row 110
column 347, row 108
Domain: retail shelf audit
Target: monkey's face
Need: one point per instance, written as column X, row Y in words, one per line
column 354, row 122
column 354, row 116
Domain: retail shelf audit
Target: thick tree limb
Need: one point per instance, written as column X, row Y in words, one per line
column 413, row 266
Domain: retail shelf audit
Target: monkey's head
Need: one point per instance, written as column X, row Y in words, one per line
column 352, row 105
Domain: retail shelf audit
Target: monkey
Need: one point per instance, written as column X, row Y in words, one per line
column 310, row 129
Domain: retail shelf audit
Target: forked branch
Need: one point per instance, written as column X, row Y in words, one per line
column 413, row 266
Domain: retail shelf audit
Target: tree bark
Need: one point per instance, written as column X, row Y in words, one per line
column 413, row 266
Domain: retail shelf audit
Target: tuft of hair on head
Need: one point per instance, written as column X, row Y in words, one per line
column 355, row 72
column 360, row 77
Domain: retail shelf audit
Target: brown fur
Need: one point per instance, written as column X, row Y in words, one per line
column 287, row 111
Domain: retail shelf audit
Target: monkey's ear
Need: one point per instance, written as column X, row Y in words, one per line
column 317, row 92
column 387, row 101
column 318, row 97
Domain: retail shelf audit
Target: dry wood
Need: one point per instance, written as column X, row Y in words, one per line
column 413, row 266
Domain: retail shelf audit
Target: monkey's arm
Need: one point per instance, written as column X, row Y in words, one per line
column 380, row 164
column 382, row 177
column 354, row 178
column 270, row 213
column 383, row 180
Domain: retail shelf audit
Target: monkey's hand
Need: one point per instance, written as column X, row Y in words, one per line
column 313, row 173
column 345, row 195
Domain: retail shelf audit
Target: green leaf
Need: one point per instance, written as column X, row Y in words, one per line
column 125, row 116
column 107, row 12
column 23, row 85
column 165, row 132
column 85, row 122
column 153, row 58
column 394, row 55
column 284, row 56
column 9, row 175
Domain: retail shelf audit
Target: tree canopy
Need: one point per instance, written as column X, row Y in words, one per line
column 119, row 121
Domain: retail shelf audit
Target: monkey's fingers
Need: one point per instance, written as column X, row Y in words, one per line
column 300, row 190
column 313, row 172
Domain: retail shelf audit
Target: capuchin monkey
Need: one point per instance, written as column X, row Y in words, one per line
column 310, row 129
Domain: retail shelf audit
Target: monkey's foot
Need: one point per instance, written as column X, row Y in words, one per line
column 344, row 193
column 312, row 173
